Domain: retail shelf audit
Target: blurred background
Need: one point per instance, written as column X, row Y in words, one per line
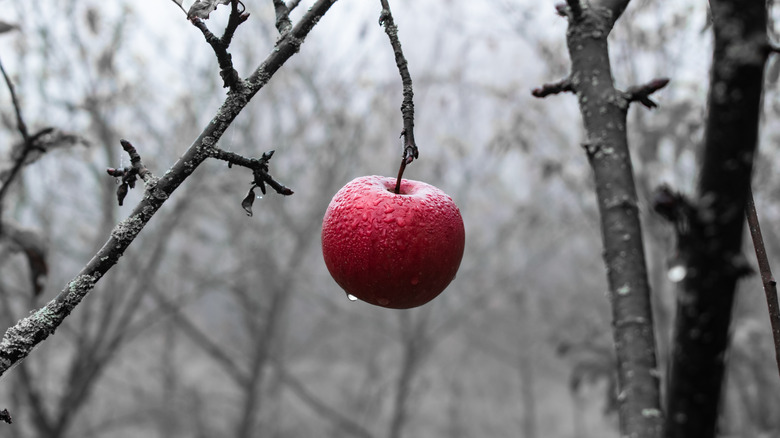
column 215, row 324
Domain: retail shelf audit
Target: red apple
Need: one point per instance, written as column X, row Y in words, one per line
column 392, row 250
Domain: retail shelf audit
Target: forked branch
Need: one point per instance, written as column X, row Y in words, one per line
column 238, row 15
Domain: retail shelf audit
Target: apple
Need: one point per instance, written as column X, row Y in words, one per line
column 392, row 250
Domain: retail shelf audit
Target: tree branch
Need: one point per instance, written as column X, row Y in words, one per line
column 410, row 151
column 641, row 93
column 259, row 171
column 229, row 75
column 712, row 257
column 129, row 174
column 564, row 85
column 22, row 128
column 283, row 23
column 604, row 111
column 768, row 280
column 19, row 340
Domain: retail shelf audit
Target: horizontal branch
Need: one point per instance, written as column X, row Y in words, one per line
column 641, row 93
column 564, row 85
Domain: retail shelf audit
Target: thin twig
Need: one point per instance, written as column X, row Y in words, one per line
column 641, row 93
column 21, row 126
column 129, row 174
column 410, row 151
column 770, row 285
column 564, row 85
column 258, row 165
column 236, row 18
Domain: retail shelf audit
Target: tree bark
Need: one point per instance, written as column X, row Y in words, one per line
column 710, row 248
column 604, row 110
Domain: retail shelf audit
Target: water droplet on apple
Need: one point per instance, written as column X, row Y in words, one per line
column 351, row 297
column 415, row 280
column 377, row 201
column 383, row 301
column 400, row 221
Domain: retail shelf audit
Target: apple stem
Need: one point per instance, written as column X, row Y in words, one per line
column 410, row 153
column 400, row 174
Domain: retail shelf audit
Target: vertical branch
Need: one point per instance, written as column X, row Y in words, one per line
column 410, row 151
column 768, row 280
column 711, row 252
column 604, row 111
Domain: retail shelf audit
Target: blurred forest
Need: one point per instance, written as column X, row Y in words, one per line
column 216, row 324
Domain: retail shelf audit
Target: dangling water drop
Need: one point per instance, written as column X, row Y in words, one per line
column 351, row 297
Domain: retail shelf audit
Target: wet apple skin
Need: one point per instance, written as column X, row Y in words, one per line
column 392, row 250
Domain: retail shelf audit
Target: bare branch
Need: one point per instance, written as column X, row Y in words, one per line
column 714, row 262
column 260, row 173
column 770, row 285
column 641, row 93
column 21, row 339
column 410, row 151
column 604, row 111
column 229, row 75
column 20, row 124
column 561, row 86
column 128, row 175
